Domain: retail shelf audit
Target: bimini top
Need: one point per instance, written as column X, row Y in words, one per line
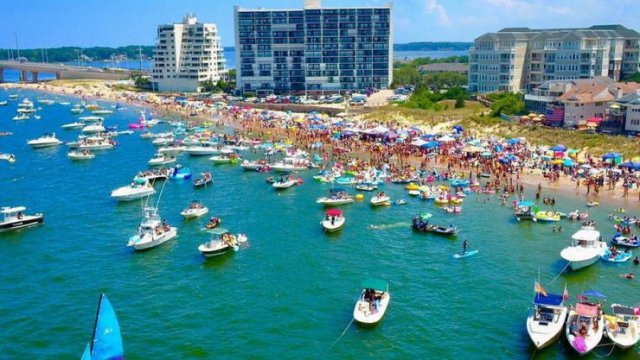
column 550, row 299
column 586, row 310
column 588, row 234
column 334, row 212
column 9, row 210
column 375, row 284
column 218, row 231
column 623, row 310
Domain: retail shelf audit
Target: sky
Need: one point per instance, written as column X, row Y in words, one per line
column 53, row 23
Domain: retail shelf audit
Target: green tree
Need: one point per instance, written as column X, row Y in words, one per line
column 406, row 75
column 141, row 82
column 635, row 77
column 506, row 103
column 445, row 80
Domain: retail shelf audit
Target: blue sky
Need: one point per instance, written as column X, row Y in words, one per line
column 51, row 23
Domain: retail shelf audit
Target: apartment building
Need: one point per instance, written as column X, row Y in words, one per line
column 520, row 59
column 313, row 50
column 187, row 54
column 623, row 114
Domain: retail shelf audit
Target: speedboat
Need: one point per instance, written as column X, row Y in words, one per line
column 152, row 231
column 373, row 302
column 14, row 218
column 93, row 128
column 548, row 216
column 102, row 112
column 161, row 159
column 620, row 240
column 138, row 189
column 623, row 326
column 45, row 141
column 380, row 199
column 21, row 117
column 3, row 103
column 585, row 325
column 545, row 322
column 336, row 197
column 88, row 119
column 225, row 158
column 291, row 164
column 202, row 149
column 11, row 158
column 163, row 141
column 154, row 174
column 74, row 125
column 366, row 186
column 284, row 183
column 616, row 256
column 221, row 242
column 81, row 155
column 333, row 221
column 171, row 150
column 586, row 248
column 254, row 165
column 195, row 210
column 46, row 101
column 96, row 143
column 76, row 109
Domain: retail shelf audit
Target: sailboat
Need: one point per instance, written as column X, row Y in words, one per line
column 106, row 341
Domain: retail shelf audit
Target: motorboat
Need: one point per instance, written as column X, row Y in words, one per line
column 74, row 125
column 161, row 159
column 93, row 128
column 180, row 173
column 366, row 186
column 225, row 158
column 285, row 183
column 106, row 338
column 81, row 155
column 620, row 240
column 616, row 256
column 586, row 248
column 11, row 158
column 381, row 199
column 45, row 141
column 548, row 317
column 13, row 96
column 291, row 164
column 96, row 143
column 623, row 325
column 333, row 220
column 258, row 165
column 202, row 149
column 64, row 103
column 46, row 101
column 138, row 189
column 102, row 112
column 548, row 216
column 14, row 218
column 152, row 231
column 161, row 141
column 195, row 210
column 3, row 103
column 221, row 242
column 171, row 150
column 89, row 119
column 203, row 180
column 154, row 174
column 373, row 302
column 436, row 229
column 585, row 324
column 76, row 109
column 336, row 197
column 21, row 117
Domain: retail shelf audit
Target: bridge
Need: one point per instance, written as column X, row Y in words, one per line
column 62, row 71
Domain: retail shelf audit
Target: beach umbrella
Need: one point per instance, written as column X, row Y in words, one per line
column 610, row 155
column 568, row 162
column 632, row 165
column 559, row 147
column 458, row 128
column 513, row 141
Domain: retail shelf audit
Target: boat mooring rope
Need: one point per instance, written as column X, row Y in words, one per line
column 561, row 271
column 341, row 335
column 534, row 354
column 613, row 346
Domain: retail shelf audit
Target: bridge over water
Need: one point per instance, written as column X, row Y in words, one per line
column 62, row 71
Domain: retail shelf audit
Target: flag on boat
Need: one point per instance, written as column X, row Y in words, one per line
column 565, row 294
column 539, row 289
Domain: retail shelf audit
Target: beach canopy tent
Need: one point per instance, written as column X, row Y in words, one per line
column 550, row 299
column 375, row 284
column 559, row 147
column 631, row 165
column 430, row 145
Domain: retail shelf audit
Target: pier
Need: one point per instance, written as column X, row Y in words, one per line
column 62, row 71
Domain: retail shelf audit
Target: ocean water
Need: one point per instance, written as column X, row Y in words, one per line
column 288, row 294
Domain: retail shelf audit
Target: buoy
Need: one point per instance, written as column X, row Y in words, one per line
column 359, row 197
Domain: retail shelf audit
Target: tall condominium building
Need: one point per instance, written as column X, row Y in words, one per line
column 187, row 54
column 313, row 50
column 515, row 59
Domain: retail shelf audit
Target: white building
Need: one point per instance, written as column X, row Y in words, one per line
column 187, row 54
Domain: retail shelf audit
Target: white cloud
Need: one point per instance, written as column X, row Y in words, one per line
column 432, row 6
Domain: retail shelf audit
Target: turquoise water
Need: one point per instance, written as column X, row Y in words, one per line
column 291, row 292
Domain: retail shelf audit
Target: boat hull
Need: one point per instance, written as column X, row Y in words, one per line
column 145, row 245
column 363, row 315
column 543, row 336
column 119, row 196
column 337, row 225
column 27, row 221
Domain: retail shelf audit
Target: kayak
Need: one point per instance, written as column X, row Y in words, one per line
column 461, row 255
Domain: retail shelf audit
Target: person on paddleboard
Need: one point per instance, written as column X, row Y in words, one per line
column 465, row 246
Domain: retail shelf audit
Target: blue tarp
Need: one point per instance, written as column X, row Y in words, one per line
column 550, row 299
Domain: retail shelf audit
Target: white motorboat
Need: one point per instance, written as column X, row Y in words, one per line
column 333, row 221
column 11, row 158
column 623, row 326
column 254, row 165
column 284, row 183
column 586, row 248
column 221, row 243
column 93, row 128
column 14, row 218
column 102, row 112
column 366, row 186
column 138, row 189
column 88, row 119
column 152, row 231
column 373, row 302
column 171, row 150
column 195, row 210
column 225, row 158
column 74, row 125
column 161, row 159
column 26, row 111
column 380, row 199
column 202, row 149
column 336, row 197
column 21, row 117
column 46, row 101
column 81, row 155
column 76, row 109
column 585, row 327
column 547, row 319
column 291, row 164
column 45, row 141
column 64, row 103
column 96, row 143
column 154, row 174
column 163, row 141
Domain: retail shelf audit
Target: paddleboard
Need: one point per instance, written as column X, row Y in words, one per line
column 467, row 254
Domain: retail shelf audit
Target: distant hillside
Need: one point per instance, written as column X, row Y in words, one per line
column 433, row 46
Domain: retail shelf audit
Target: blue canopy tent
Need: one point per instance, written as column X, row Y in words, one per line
column 631, row 165
column 430, row 145
column 559, row 147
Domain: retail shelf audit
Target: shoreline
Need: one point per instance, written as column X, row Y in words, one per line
column 564, row 186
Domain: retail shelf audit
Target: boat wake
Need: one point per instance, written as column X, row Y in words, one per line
column 389, row 226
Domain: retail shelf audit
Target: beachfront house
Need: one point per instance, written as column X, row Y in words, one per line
column 623, row 114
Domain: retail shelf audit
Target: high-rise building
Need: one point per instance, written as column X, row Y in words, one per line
column 313, row 50
column 187, row 54
column 516, row 59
